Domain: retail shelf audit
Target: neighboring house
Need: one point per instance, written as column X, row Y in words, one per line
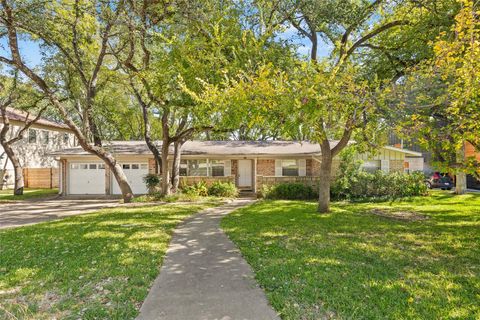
column 413, row 163
column 472, row 182
column 39, row 140
column 249, row 164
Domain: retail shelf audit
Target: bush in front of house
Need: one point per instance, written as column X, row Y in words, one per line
column 288, row 191
column 223, row 189
column 151, row 181
column 379, row 184
column 199, row 189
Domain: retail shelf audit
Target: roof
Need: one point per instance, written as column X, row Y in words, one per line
column 21, row 116
column 220, row 148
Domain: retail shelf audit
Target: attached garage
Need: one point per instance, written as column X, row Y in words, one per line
column 86, row 178
column 135, row 173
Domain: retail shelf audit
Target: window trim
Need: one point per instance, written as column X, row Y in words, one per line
column 297, row 167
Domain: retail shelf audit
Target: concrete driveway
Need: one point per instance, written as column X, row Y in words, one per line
column 34, row 211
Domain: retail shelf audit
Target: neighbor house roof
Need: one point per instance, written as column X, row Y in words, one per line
column 221, row 148
column 21, row 116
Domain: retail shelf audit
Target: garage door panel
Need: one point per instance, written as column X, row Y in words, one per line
column 86, row 178
column 135, row 172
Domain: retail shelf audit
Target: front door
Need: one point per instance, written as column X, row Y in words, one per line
column 244, row 173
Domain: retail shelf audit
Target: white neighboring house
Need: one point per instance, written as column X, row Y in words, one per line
column 39, row 140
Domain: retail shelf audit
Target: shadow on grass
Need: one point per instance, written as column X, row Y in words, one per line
column 352, row 264
column 96, row 265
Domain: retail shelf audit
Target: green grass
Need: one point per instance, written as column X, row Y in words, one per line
column 92, row 266
column 7, row 195
column 351, row 264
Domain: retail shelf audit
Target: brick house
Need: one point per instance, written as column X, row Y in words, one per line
column 248, row 164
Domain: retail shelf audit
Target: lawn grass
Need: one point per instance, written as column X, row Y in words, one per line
column 352, row 264
column 7, row 195
column 93, row 266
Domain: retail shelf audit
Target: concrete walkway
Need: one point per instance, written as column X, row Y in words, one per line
column 204, row 276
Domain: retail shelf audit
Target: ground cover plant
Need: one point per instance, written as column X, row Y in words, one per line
column 7, row 195
column 92, row 266
column 417, row 258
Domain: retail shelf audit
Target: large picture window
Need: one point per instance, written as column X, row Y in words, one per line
column 290, row 168
column 183, row 170
column 32, row 136
column 371, row 165
column 217, row 167
column 197, row 168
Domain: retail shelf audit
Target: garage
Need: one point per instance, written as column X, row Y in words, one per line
column 86, row 178
column 135, row 172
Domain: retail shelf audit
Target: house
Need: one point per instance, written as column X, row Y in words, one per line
column 249, row 164
column 43, row 137
column 470, row 152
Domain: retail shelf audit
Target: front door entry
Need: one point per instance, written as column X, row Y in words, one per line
column 244, row 173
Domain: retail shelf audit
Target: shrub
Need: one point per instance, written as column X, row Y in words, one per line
column 151, row 181
column 379, row 185
column 199, row 189
column 288, row 191
column 223, row 189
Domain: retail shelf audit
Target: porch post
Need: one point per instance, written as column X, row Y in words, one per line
column 254, row 175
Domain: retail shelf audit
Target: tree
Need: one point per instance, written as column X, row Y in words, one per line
column 79, row 36
column 171, row 54
column 8, row 137
column 440, row 97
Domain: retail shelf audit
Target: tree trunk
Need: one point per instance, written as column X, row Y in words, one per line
column 177, row 150
column 461, row 177
column 165, row 183
column 17, row 169
column 461, row 183
column 325, row 182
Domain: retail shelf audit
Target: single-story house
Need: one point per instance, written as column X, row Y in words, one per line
column 248, row 164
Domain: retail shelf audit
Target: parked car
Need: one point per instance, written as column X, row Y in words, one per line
column 437, row 180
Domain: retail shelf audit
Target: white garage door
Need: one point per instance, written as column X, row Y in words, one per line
column 135, row 173
column 86, row 178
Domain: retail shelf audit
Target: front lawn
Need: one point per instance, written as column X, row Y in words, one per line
column 417, row 259
column 7, row 195
column 92, row 266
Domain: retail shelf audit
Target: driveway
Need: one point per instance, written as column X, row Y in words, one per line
column 34, row 211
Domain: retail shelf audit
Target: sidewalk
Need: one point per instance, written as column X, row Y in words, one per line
column 204, row 276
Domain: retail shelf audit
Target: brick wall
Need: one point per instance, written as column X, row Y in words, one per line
column 151, row 165
column 315, row 167
column 470, row 151
column 397, row 165
column 266, row 167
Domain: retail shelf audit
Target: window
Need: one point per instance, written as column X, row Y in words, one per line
column 135, row 166
column 143, row 166
column 197, row 168
column 45, row 137
column 92, row 166
column 289, row 168
column 218, row 168
column 125, row 166
column 74, row 166
column 83, row 166
column 32, row 136
column 183, row 168
column 101, row 166
column 66, row 138
column 371, row 165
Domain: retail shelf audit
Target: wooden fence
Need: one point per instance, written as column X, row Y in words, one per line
column 41, row 177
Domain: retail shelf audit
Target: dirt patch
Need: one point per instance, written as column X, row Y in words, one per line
column 403, row 215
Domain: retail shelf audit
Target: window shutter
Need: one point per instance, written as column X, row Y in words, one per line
column 385, row 165
column 302, row 167
column 227, row 171
column 278, row 168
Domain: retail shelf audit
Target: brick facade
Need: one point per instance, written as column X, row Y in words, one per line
column 397, row 165
column 151, row 166
column 266, row 167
